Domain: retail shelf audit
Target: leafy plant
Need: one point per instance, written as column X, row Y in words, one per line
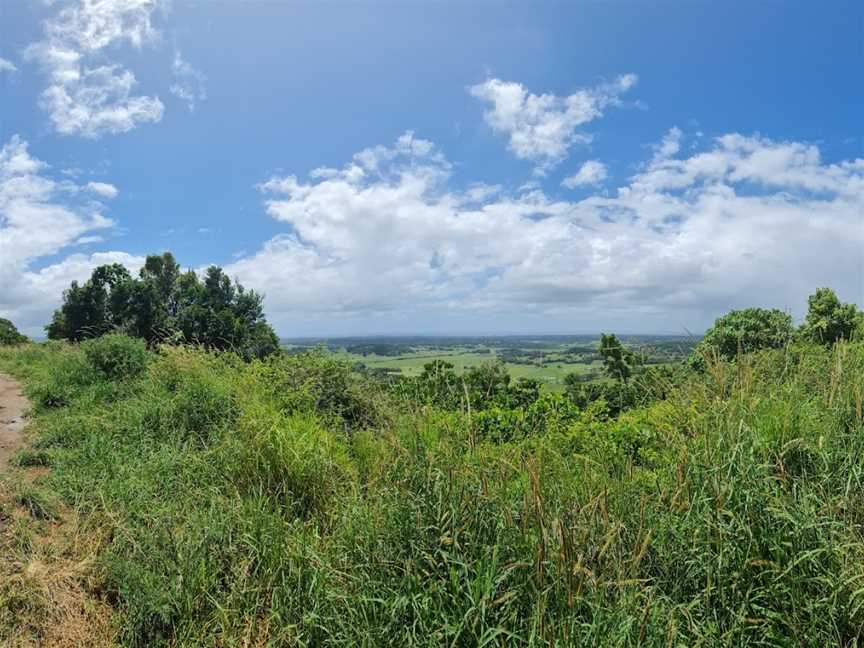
column 116, row 356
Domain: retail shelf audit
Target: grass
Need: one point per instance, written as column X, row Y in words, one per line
column 551, row 373
column 292, row 503
column 49, row 589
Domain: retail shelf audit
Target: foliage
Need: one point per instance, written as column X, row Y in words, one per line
column 9, row 335
column 650, row 384
column 743, row 331
column 315, row 383
column 292, row 501
column 828, row 320
column 165, row 304
column 477, row 388
column 117, row 356
column 618, row 361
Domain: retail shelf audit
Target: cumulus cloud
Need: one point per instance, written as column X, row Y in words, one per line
column 40, row 218
column 7, row 66
column 542, row 128
column 103, row 189
column 188, row 82
column 746, row 221
column 592, row 172
column 85, row 95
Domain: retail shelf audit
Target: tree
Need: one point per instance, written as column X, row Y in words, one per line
column 618, row 361
column 829, row 321
column 88, row 310
column 744, row 331
column 164, row 303
column 9, row 335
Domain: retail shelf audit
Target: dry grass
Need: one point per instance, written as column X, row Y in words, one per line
column 49, row 589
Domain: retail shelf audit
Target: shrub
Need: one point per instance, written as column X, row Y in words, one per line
column 117, row 356
column 498, row 424
column 313, row 382
column 743, row 331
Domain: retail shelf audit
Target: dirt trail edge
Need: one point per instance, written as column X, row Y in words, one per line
column 12, row 421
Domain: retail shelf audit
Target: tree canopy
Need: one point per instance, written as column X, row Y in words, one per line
column 164, row 303
column 9, row 334
column 828, row 320
column 744, row 331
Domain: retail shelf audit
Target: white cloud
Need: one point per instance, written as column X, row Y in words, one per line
column 746, row 221
column 7, row 66
column 592, row 172
column 542, row 128
column 86, row 96
column 670, row 144
column 40, row 218
column 103, row 189
column 86, row 240
column 188, row 82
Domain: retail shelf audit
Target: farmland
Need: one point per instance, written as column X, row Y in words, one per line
column 547, row 359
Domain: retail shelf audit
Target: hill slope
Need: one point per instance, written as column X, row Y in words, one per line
column 292, row 502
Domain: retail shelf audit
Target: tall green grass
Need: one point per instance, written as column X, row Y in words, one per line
column 290, row 502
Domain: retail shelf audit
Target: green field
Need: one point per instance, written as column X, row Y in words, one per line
column 550, row 372
column 547, row 359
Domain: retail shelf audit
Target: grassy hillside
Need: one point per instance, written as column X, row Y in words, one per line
column 293, row 502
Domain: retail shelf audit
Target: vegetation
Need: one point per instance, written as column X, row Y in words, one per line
column 744, row 331
column 547, row 359
column 292, row 500
column 163, row 304
column 829, row 321
column 9, row 335
column 116, row 356
column 618, row 360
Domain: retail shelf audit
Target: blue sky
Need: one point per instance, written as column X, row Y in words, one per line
column 532, row 167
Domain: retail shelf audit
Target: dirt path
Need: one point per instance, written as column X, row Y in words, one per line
column 12, row 408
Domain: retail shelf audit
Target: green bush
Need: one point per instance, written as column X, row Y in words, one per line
column 743, row 331
column 314, row 382
column 116, row 356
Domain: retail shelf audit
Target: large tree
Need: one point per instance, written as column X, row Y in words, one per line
column 165, row 303
column 90, row 309
column 828, row 320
